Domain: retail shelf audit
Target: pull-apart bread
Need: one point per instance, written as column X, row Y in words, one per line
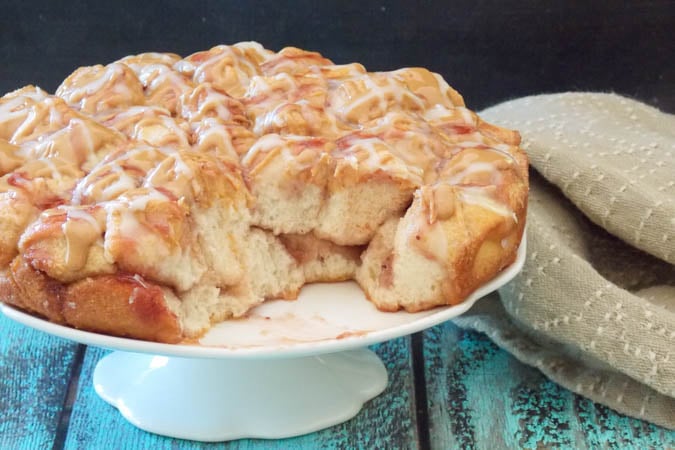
column 157, row 195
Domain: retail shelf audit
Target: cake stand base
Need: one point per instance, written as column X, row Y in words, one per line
column 225, row 399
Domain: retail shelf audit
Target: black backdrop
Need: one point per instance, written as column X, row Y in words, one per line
column 488, row 50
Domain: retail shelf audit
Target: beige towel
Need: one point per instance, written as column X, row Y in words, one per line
column 594, row 307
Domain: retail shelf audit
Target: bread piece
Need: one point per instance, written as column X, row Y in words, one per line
column 162, row 85
column 369, row 184
column 102, row 88
column 320, row 259
column 288, row 176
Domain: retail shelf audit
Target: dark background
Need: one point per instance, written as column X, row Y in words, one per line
column 489, row 50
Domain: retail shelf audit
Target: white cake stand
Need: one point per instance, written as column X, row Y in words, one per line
column 288, row 368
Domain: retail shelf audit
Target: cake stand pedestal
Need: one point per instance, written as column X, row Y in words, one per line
column 225, row 399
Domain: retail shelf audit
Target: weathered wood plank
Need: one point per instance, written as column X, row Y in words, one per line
column 481, row 397
column 387, row 421
column 35, row 370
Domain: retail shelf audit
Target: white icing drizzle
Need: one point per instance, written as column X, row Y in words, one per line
column 373, row 154
column 370, row 96
column 436, row 112
column 119, row 173
column 123, row 212
column 122, row 183
column 480, row 197
column 468, row 116
column 140, row 202
column 213, row 137
column 265, row 144
column 205, row 102
column 474, row 168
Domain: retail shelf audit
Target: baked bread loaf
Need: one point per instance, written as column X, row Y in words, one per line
column 157, row 195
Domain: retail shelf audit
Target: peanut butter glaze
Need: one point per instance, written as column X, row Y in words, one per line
column 9, row 160
column 160, row 129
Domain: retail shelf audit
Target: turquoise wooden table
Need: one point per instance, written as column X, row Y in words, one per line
column 448, row 388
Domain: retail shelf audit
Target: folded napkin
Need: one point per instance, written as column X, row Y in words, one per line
column 594, row 307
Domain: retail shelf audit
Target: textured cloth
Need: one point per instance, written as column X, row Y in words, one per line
column 594, row 307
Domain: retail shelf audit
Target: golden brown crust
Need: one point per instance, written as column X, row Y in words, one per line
column 123, row 306
column 31, row 290
column 112, row 304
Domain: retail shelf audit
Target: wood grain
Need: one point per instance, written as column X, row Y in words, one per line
column 35, row 370
column 481, row 397
column 385, row 422
column 478, row 397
